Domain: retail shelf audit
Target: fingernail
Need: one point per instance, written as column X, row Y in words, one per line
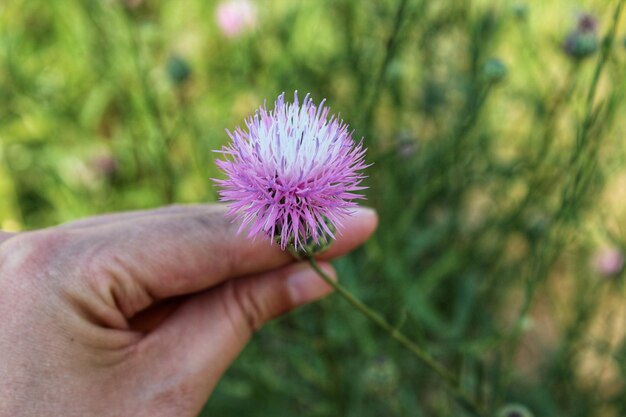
column 305, row 285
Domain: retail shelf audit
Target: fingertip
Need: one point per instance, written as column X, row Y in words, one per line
column 355, row 230
column 367, row 219
column 360, row 224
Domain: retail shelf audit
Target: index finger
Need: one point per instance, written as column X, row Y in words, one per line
column 186, row 253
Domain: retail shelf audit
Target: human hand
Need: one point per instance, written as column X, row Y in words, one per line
column 139, row 314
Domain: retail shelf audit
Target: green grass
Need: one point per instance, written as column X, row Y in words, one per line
column 495, row 184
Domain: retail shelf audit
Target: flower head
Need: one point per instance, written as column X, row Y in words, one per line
column 608, row 262
column 494, row 70
column 177, row 69
column 236, row 16
column 583, row 40
column 293, row 173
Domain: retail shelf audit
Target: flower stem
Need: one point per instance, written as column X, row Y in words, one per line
column 451, row 382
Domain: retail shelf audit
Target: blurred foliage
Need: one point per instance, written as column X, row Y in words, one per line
column 495, row 129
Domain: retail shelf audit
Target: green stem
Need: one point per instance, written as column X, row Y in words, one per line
column 451, row 382
column 607, row 44
column 390, row 51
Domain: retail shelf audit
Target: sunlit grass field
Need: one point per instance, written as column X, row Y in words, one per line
column 496, row 131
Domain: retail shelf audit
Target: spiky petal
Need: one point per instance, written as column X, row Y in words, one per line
column 293, row 173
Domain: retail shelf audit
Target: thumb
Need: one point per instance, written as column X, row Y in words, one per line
column 211, row 328
column 252, row 301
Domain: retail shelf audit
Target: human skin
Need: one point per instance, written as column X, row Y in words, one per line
column 140, row 313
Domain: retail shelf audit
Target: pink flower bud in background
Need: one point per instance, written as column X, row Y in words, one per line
column 236, row 16
column 608, row 262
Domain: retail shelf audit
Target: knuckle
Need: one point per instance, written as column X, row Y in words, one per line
column 35, row 250
column 53, row 257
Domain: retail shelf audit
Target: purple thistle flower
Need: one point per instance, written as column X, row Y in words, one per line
column 293, row 173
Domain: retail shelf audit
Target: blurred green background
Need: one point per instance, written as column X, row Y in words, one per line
column 496, row 132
